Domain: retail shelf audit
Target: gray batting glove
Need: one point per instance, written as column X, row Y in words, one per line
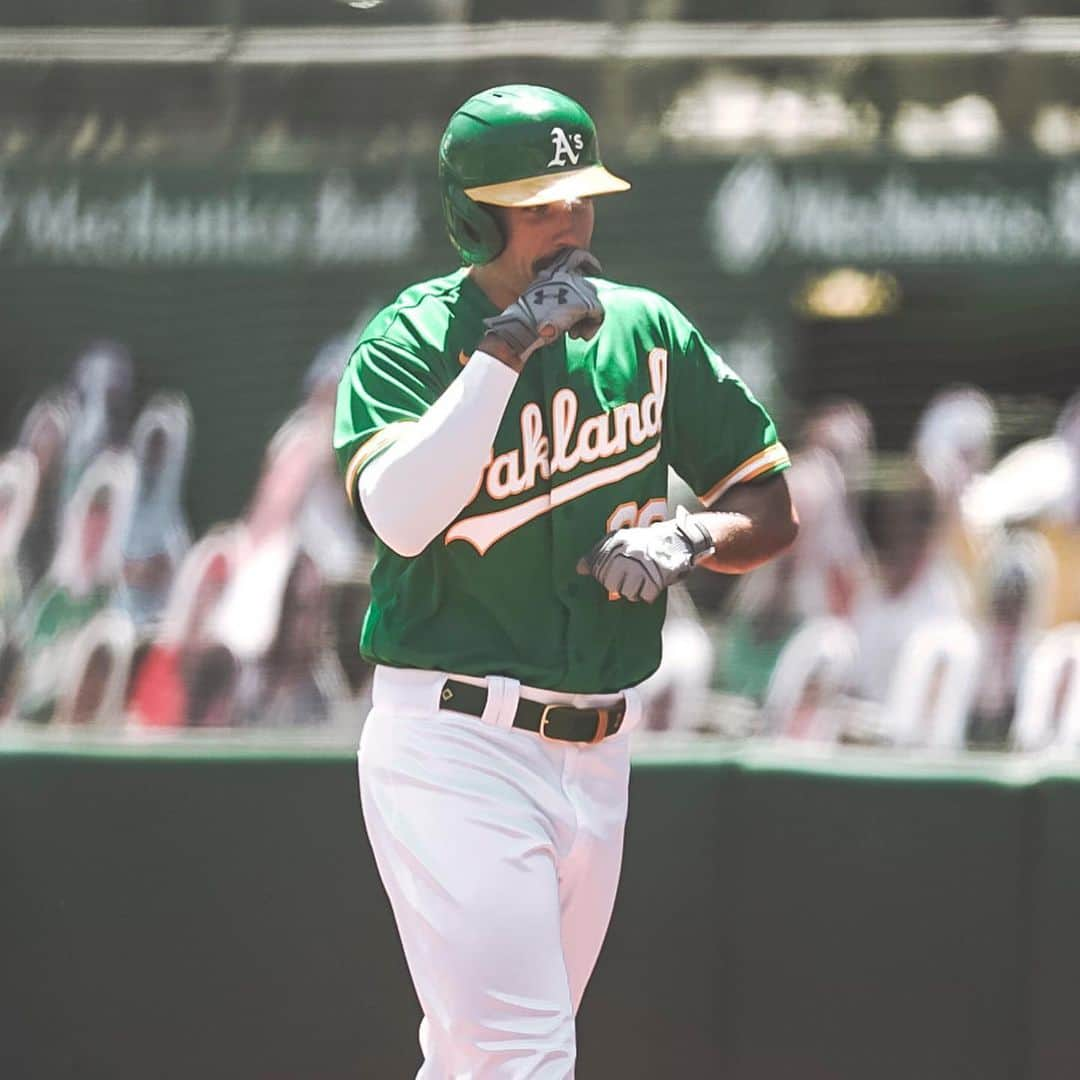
column 560, row 300
column 640, row 563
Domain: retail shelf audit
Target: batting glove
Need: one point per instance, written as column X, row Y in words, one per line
column 640, row 563
column 560, row 300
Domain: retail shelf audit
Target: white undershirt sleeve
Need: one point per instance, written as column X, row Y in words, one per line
column 415, row 488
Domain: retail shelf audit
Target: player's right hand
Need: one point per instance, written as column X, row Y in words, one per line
column 560, row 300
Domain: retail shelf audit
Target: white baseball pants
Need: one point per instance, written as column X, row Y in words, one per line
column 500, row 852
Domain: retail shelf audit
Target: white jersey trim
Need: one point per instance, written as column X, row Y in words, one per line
column 772, row 457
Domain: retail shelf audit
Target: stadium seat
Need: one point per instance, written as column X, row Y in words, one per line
column 933, row 684
column 813, row 667
column 1048, row 703
column 94, row 678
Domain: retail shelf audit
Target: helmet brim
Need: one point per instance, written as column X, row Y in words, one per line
column 555, row 187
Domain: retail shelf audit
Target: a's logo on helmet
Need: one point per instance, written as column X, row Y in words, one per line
column 566, row 146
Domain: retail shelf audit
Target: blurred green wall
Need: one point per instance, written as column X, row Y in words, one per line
column 196, row 913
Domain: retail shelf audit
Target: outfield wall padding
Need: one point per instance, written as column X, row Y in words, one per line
column 195, row 913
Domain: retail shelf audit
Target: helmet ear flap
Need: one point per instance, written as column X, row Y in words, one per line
column 474, row 230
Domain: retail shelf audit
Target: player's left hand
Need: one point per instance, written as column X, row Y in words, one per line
column 639, row 563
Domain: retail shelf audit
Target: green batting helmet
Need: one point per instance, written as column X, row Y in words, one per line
column 515, row 146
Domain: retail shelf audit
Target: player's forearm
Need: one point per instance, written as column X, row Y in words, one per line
column 416, row 488
column 751, row 524
column 741, row 543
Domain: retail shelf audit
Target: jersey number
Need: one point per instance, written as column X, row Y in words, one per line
column 629, row 515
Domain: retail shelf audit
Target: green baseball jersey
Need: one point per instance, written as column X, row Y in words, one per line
column 584, row 447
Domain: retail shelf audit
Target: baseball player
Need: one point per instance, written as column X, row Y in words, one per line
column 506, row 433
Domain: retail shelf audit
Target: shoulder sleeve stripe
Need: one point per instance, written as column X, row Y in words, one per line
column 772, row 457
column 380, row 441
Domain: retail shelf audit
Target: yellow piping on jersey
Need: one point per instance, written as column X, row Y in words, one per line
column 771, row 457
column 366, row 451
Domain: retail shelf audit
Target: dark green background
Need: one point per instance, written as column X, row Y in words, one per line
column 220, row 916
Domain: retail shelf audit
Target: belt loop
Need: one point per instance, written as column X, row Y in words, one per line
column 502, row 701
column 634, row 707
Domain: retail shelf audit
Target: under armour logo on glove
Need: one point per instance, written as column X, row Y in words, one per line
column 540, row 296
column 640, row 563
column 561, row 300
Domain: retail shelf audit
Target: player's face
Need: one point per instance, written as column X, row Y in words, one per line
column 535, row 234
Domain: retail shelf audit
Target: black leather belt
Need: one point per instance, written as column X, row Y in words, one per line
column 563, row 723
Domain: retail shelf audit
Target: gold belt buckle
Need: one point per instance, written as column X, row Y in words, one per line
column 601, row 727
column 544, row 723
column 603, row 719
